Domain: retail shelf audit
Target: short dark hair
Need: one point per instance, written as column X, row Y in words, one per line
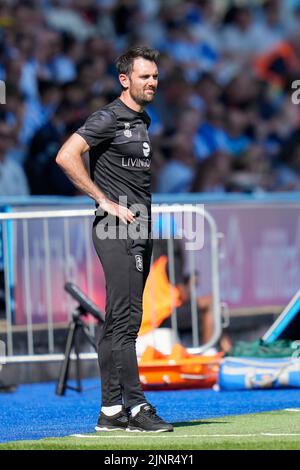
column 124, row 62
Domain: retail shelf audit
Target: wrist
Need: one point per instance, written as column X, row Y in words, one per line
column 101, row 200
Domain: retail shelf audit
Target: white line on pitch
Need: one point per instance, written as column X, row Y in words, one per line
column 123, row 436
column 279, row 434
column 294, row 410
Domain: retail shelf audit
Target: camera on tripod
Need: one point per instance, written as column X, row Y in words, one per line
column 85, row 306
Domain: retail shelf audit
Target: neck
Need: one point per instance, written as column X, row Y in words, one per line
column 127, row 99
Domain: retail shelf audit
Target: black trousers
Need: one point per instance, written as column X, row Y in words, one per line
column 126, row 265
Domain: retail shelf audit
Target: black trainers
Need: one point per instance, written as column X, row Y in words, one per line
column 117, row 422
column 146, row 420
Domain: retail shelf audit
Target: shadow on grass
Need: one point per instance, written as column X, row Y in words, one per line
column 196, row 423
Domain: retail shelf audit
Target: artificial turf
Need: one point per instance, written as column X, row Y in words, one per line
column 277, row 430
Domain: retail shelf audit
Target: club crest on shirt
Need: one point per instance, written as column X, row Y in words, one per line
column 139, row 262
column 127, row 131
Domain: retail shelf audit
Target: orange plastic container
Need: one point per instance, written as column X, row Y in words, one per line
column 178, row 370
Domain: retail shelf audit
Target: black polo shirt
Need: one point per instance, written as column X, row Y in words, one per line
column 120, row 153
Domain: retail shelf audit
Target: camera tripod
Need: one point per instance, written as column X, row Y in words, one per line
column 85, row 307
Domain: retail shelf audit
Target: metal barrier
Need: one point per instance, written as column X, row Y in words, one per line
column 30, row 273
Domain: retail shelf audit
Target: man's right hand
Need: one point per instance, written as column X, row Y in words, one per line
column 118, row 211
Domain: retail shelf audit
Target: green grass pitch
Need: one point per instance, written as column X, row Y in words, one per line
column 277, row 430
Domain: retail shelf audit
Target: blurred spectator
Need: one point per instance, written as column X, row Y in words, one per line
column 43, row 175
column 208, row 89
column 237, row 140
column 251, row 172
column 195, row 56
column 12, row 178
column 212, row 174
column 279, row 63
column 74, row 17
column 288, row 171
column 202, row 16
column 272, row 29
column 39, row 110
column 211, row 136
column 241, row 91
column 177, row 174
column 125, row 16
column 240, row 38
column 12, row 114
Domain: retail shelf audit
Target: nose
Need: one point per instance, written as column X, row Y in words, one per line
column 152, row 82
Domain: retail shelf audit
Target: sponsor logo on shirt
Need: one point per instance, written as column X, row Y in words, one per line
column 136, row 162
column 146, row 149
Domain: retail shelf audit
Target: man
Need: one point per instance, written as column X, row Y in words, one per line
column 13, row 181
column 120, row 158
column 161, row 295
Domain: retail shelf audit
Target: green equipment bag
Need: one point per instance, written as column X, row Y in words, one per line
column 279, row 348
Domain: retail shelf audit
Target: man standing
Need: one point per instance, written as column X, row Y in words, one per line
column 120, row 158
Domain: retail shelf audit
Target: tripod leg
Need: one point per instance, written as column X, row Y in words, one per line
column 87, row 335
column 63, row 376
column 78, row 374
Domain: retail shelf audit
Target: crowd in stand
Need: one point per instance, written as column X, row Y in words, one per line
column 223, row 120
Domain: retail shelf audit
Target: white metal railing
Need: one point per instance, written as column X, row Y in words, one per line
column 16, row 250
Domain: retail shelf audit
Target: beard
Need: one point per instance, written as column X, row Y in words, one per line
column 140, row 97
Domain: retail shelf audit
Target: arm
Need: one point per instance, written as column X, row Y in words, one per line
column 70, row 159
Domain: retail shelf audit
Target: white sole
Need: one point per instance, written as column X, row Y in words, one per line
column 143, row 430
column 98, row 429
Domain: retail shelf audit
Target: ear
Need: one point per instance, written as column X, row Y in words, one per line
column 124, row 80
